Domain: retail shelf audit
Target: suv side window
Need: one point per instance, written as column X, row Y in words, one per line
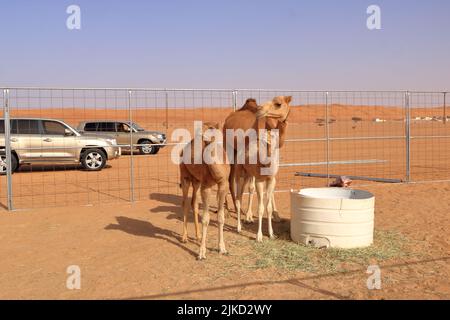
column 106, row 127
column 20, row 126
column 122, row 127
column 90, row 126
column 53, row 128
column 24, row 126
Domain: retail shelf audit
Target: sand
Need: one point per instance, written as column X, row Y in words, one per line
column 67, row 216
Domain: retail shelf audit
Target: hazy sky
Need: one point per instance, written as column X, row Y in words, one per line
column 287, row 44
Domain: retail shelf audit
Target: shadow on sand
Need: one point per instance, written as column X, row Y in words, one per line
column 141, row 228
column 176, row 212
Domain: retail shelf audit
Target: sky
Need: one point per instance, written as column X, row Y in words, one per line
column 286, row 44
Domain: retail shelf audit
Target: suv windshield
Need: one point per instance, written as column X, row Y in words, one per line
column 137, row 127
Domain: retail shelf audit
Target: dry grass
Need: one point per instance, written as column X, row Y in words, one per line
column 286, row 255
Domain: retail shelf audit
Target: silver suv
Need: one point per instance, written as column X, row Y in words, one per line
column 148, row 142
column 49, row 141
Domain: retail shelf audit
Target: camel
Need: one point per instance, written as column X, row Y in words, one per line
column 204, row 176
column 251, row 105
column 271, row 115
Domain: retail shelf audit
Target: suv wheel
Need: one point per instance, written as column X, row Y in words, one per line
column 155, row 149
column 93, row 159
column 147, row 148
column 14, row 163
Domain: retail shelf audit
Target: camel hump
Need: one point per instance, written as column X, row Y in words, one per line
column 251, row 105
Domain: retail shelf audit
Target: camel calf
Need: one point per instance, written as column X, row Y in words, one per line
column 205, row 176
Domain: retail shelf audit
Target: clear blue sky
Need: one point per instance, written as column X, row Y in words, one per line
column 287, row 44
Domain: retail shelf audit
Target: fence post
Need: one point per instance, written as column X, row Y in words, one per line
column 166, row 94
column 408, row 135
column 445, row 108
column 327, row 129
column 7, row 120
column 130, row 116
column 234, row 98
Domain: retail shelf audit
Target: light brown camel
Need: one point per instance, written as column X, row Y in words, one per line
column 205, row 175
column 251, row 105
column 271, row 115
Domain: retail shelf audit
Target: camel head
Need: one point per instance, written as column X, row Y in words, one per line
column 276, row 110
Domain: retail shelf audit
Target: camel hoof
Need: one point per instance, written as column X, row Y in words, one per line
column 272, row 237
column 248, row 221
column 239, row 228
column 184, row 239
column 223, row 251
column 276, row 216
column 259, row 237
column 202, row 254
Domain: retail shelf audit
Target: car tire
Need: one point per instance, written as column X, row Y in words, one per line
column 93, row 159
column 14, row 163
column 148, row 149
column 155, row 149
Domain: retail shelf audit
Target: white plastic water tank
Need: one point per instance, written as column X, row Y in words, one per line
column 332, row 217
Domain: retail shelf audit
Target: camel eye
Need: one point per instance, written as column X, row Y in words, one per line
column 278, row 105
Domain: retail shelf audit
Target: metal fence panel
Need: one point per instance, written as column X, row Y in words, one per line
column 430, row 137
column 156, row 176
column 367, row 134
column 390, row 135
column 49, row 185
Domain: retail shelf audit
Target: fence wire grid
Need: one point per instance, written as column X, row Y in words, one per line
column 398, row 135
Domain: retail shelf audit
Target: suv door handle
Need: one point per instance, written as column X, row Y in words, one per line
column 48, row 140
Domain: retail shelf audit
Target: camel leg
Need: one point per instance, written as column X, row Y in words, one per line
column 260, row 192
column 196, row 186
column 185, row 189
column 238, row 201
column 227, row 212
column 275, row 214
column 227, row 207
column 251, row 192
column 205, row 191
column 232, row 181
column 270, row 186
column 222, row 193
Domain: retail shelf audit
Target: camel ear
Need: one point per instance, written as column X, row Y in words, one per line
column 288, row 99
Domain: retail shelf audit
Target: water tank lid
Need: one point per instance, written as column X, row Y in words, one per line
column 335, row 193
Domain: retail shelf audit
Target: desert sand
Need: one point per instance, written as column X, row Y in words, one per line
column 68, row 216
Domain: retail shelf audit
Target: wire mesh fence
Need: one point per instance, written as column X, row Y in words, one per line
column 388, row 135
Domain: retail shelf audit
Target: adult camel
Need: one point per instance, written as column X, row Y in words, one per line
column 271, row 115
